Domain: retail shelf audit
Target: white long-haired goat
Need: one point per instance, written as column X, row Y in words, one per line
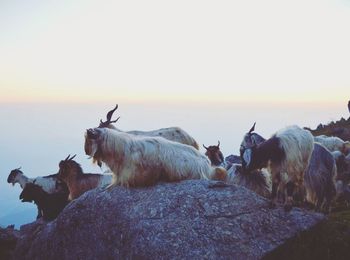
column 142, row 161
column 333, row 143
column 288, row 152
column 175, row 134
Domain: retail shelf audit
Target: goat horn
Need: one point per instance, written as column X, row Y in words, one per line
column 205, row 147
column 252, row 129
column 109, row 117
column 218, row 143
column 72, row 157
column 115, row 120
column 110, row 113
column 67, row 157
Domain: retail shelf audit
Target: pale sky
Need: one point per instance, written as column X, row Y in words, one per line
column 175, row 50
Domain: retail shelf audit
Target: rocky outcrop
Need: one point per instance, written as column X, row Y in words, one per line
column 340, row 128
column 193, row 219
column 8, row 240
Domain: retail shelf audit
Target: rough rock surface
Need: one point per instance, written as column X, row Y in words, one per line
column 193, row 219
column 8, row 240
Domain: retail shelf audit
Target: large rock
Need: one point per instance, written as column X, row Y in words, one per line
column 8, row 240
column 191, row 219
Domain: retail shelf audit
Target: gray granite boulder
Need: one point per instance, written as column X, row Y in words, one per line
column 193, row 219
column 8, row 240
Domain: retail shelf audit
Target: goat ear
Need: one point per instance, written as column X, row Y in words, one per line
column 247, row 156
column 252, row 129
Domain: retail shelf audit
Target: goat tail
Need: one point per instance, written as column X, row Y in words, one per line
column 219, row 174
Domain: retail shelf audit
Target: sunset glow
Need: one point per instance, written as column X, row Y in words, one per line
column 83, row 51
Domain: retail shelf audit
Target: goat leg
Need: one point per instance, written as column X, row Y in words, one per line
column 289, row 202
column 274, row 194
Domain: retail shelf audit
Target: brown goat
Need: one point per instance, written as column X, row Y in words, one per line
column 214, row 154
column 78, row 182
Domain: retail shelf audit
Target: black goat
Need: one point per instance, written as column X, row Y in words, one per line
column 50, row 205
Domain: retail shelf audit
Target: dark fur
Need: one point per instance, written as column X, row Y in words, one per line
column 49, row 204
column 265, row 151
column 343, row 168
column 12, row 175
column 250, row 139
column 215, row 155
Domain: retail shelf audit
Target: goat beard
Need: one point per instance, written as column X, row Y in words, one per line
column 96, row 158
column 98, row 162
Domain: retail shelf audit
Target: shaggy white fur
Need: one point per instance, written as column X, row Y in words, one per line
column 175, row 134
column 142, row 160
column 333, row 143
column 286, row 156
column 319, row 179
column 298, row 145
column 258, row 181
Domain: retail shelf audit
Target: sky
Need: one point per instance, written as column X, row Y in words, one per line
column 184, row 50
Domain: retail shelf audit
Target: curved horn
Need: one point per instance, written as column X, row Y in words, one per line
column 218, row 144
column 109, row 117
column 110, row 113
column 252, row 129
column 206, row 148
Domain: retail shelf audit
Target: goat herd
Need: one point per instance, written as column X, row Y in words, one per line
column 291, row 167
